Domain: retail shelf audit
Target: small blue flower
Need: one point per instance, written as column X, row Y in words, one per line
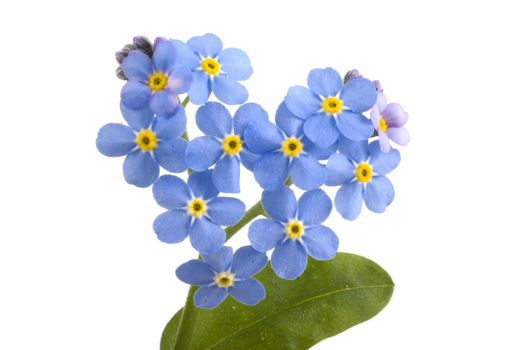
column 294, row 230
column 222, row 146
column 155, row 82
column 360, row 169
column 194, row 210
column 222, row 274
column 329, row 107
column 148, row 142
column 214, row 69
column 285, row 151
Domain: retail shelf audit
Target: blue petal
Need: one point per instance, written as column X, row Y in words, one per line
column 321, row 130
column 229, row 91
column 325, row 82
column 263, row 137
column 201, row 184
column 226, row 175
column 383, row 163
column 164, row 56
column 172, row 226
column 225, row 211
column 271, row 171
column 248, row 158
column 339, row 170
column 200, row 88
column 358, row 151
column 209, row 297
column 314, row 207
column 349, row 199
column 115, row 140
column 307, row 173
column 265, row 234
column 170, row 126
column 213, row 119
column 207, row 45
column 354, row 126
column 171, row 192
column 289, row 259
column 235, row 63
column 302, row 102
column 185, row 55
column 202, row 152
column 316, row 152
column 246, row 114
column 135, row 95
column 140, row 169
column 137, row 119
column 321, row 242
column 170, row 155
column 247, row 262
column 180, row 80
column 221, row 261
column 196, row 273
column 164, row 102
column 288, row 122
column 281, row 204
column 137, row 66
column 378, row 194
column 249, row 292
column 206, row 237
column 359, row 95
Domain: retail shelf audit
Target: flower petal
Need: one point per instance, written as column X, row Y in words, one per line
column 354, row 126
column 137, row 119
column 265, row 234
column 170, row 126
column 314, row 207
column 235, row 63
column 196, row 273
column 164, row 56
column 375, row 117
column 221, row 261
column 172, row 226
column 171, row 192
column 170, row 155
column 249, row 292
column 383, row 163
column 164, row 102
column 229, row 91
column 280, row 204
column 206, row 237
column 200, row 88
column 225, row 211
column 186, row 57
column 137, row 66
column 381, row 102
column 201, row 184
column 394, row 115
column 140, row 169
column 316, row 152
column 321, row 130
column 180, row 80
column 399, row 135
column 202, row 152
column 307, row 173
column 213, row 119
column 359, row 95
column 378, row 194
column 209, row 297
column 288, row 122
column 349, row 199
column 248, row 159
column 325, row 82
column 321, row 242
column 135, row 95
column 246, row 114
column 115, row 140
column 271, row 170
column 247, row 262
column 207, row 45
column 358, row 151
column 226, row 174
column 289, row 259
column 302, row 102
column 384, row 142
column 339, row 170
column 263, row 137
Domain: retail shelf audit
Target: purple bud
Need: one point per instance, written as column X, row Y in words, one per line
column 143, row 44
column 120, row 74
column 352, row 74
column 377, row 84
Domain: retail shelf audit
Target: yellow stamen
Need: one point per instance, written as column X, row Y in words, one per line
column 294, row 229
column 383, row 124
column 363, row 172
column 332, row 105
column 291, row 147
column 224, row 279
column 232, row 145
column 196, row 208
column 210, row 66
column 157, row 81
column 146, row 140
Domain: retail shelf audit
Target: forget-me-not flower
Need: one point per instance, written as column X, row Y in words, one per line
column 389, row 120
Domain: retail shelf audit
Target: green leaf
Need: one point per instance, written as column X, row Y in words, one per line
column 330, row 297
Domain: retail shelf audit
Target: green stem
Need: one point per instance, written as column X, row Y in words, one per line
column 185, row 101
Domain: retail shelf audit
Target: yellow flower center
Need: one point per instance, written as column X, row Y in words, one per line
column 332, row 105
column 294, row 229
column 157, row 81
column 196, row 208
column 383, row 124
column 232, row 145
column 363, row 172
column 146, row 140
column 291, row 147
column 224, row 279
column 210, row 66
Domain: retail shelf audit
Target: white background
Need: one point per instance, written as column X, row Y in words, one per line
column 80, row 267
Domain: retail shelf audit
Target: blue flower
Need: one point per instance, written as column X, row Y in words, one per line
column 329, row 108
column 148, row 142
column 360, row 169
column 154, row 82
column 222, row 273
column 214, row 69
column 294, row 230
column 194, row 210
column 285, row 151
column 222, row 146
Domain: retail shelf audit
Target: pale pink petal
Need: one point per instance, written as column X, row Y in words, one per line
column 384, row 142
column 399, row 135
column 394, row 115
column 375, row 117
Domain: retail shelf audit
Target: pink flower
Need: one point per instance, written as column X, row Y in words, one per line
column 388, row 120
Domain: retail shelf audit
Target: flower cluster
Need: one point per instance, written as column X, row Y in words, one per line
column 322, row 135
